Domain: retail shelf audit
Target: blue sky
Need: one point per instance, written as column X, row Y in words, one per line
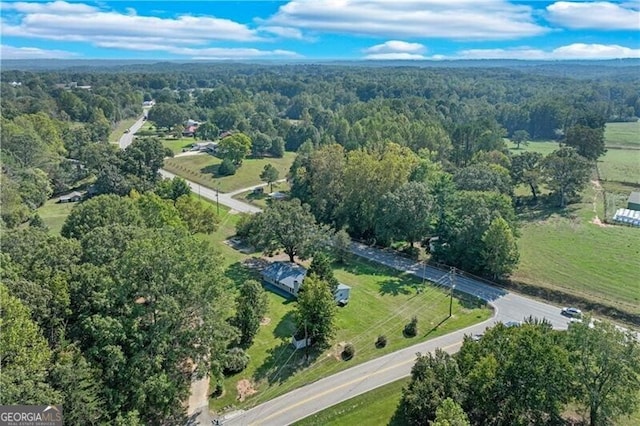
column 321, row 29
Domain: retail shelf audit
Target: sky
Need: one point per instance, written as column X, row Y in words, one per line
column 315, row 30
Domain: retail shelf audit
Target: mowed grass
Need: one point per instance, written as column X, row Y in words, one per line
column 54, row 214
column 202, row 170
column 564, row 250
column 620, row 165
column 543, row 147
column 376, row 407
column 178, row 145
column 120, row 128
column 382, row 302
column 622, row 134
column 262, row 200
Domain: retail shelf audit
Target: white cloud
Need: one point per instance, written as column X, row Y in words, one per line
column 572, row 51
column 396, row 46
column 80, row 22
column 395, row 50
column 12, row 52
column 201, row 53
column 456, row 19
column 285, row 32
column 595, row 15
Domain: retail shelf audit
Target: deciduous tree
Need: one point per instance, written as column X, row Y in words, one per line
column 526, row 169
column 321, row 268
column 234, row 148
column 316, row 311
column 500, row 252
column 252, row 305
column 566, row 173
column 269, row 175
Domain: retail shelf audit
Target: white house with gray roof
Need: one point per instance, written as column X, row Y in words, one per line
column 288, row 278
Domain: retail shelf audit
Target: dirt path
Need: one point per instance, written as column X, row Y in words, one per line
column 598, row 190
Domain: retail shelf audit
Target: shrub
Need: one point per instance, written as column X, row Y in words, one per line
column 412, row 252
column 348, row 352
column 235, row 361
column 411, row 329
column 227, row 168
column 381, row 342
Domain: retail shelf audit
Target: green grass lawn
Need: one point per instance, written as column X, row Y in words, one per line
column 376, row 407
column 623, row 134
column 382, row 302
column 120, row 128
column 54, row 214
column 564, row 250
column 543, row 147
column 202, row 168
column 620, row 165
column 262, row 200
column 177, row 145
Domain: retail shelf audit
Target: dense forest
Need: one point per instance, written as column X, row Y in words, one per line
column 113, row 316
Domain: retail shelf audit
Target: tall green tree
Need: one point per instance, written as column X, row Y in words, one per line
column 526, row 169
column 252, row 305
column 234, row 148
column 566, row 173
column 520, row 137
column 25, row 356
column 173, row 189
column 321, row 268
column 500, row 252
column 607, row 369
column 316, row 311
column 269, row 175
column 167, row 115
column 484, row 177
column 587, row 141
column 207, row 131
column 287, row 225
column 434, row 378
column 450, row 413
column 199, row 217
column 104, row 210
column 406, row 214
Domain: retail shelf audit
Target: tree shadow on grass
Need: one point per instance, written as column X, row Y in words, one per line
column 283, row 361
column 395, row 287
column 543, row 209
column 286, row 327
column 398, row 418
column 239, row 273
column 212, row 169
column 468, row 301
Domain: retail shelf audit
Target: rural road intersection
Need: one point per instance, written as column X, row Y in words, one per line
column 362, row 378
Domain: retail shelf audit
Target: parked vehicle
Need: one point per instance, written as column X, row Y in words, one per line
column 571, row 312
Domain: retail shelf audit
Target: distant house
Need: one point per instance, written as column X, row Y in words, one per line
column 287, row 278
column 73, row 197
column 149, row 103
column 16, row 83
column 190, row 131
column 278, row 195
column 225, row 134
column 633, row 203
column 206, row 146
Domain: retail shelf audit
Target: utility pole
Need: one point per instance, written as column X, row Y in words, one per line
column 218, row 198
column 452, row 286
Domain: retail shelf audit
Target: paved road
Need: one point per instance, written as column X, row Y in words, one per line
column 331, row 390
column 223, row 198
column 127, row 138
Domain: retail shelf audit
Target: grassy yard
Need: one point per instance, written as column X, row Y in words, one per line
column 382, row 302
column 620, row 165
column 566, row 251
column 543, row 147
column 54, row 214
column 177, row 145
column 376, row 407
column 262, row 200
column 120, row 129
column 623, row 134
column 202, row 169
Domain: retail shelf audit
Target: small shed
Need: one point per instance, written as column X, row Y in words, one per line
column 633, row 203
column 73, row 197
column 342, row 294
column 287, row 278
column 299, row 344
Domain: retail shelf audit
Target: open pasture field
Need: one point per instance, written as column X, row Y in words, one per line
column 622, row 134
column 203, row 168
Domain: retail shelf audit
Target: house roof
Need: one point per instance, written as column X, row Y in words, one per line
column 343, row 286
column 71, row 195
column 634, row 197
column 285, row 273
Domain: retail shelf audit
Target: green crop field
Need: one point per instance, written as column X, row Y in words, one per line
column 376, row 407
column 202, row 168
column 620, row 165
column 623, row 134
column 382, row 302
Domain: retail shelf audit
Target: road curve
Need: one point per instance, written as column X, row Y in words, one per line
column 346, row 384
